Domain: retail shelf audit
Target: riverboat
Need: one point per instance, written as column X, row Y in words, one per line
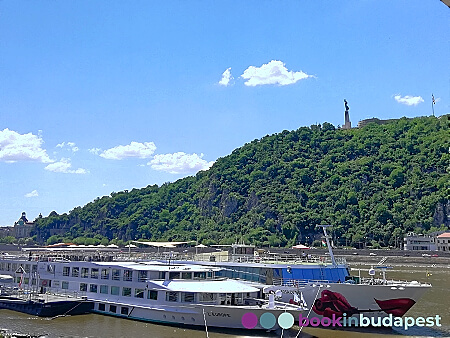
column 176, row 294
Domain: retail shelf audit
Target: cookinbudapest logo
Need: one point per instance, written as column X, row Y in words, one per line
column 268, row 320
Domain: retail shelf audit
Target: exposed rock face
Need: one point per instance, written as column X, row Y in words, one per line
column 229, row 204
column 442, row 214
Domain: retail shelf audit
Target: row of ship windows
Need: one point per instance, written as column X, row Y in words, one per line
column 113, row 274
column 15, row 266
column 171, row 296
column 127, row 275
column 124, row 310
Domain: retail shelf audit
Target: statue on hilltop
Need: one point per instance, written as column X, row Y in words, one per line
column 347, row 124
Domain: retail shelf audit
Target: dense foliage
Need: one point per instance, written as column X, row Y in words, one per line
column 373, row 184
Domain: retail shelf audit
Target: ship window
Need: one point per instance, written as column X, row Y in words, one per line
column 207, row 297
column 8, row 266
column 66, row 271
column 2, row 266
column 104, row 289
column 105, row 273
column 84, row 272
column 186, row 275
column 187, row 297
column 83, row 287
column 26, row 280
column 115, row 290
column 142, row 276
column 94, row 273
column 113, row 308
column 65, row 285
column 93, row 288
column 200, row 275
column 161, row 275
column 101, row 307
column 33, row 281
column 115, row 274
column 27, row 268
column 139, row 293
column 152, row 294
column 172, row 296
column 124, row 310
column 174, row 275
column 75, row 272
column 127, row 275
column 126, row 292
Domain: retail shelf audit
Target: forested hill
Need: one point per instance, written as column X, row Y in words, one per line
column 373, row 184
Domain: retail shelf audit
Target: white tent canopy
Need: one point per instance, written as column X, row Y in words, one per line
column 300, row 246
column 163, row 244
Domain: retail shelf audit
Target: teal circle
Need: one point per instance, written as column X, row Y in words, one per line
column 267, row 320
column 286, row 320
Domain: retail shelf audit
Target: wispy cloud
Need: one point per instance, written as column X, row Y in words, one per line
column 180, row 163
column 64, row 166
column 274, row 72
column 95, row 151
column 16, row 147
column 132, row 150
column 34, row 193
column 68, row 145
column 409, row 100
column 226, row 78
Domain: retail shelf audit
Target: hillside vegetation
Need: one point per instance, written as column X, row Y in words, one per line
column 372, row 184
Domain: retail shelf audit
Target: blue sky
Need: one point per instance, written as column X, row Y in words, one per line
column 102, row 96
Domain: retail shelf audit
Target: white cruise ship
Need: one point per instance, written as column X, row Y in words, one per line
column 175, row 294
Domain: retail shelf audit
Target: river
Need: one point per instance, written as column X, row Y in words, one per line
column 435, row 302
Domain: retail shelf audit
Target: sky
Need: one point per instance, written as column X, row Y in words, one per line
column 102, row 96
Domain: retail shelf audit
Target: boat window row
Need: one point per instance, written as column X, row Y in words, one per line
column 129, row 275
column 27, row 268
column 117, row 291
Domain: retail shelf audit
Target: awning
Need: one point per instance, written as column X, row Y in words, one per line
column 163, row 244
column 211, row 286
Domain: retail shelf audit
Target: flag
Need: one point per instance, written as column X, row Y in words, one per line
column 432, row 98
column 323, row 243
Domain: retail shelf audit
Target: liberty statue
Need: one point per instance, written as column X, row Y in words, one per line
column 347, row 124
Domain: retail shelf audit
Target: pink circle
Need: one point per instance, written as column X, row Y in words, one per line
column 249, row 320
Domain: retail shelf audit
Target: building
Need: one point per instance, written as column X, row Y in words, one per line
column 443, row 242
column 417, row 242
column 22, row 228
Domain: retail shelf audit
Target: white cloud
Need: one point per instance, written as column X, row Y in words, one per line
column 17, row 147
column 274, row 72
column 64, row 166
column 226, row 77
column 408, row 100
column 133, row 150
column 34, row 193
column 95, row 151
column 69, row 145
column 180, row 163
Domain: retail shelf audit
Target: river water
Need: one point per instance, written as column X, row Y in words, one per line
column 435, row 302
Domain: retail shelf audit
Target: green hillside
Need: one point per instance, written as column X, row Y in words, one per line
column 373, row 184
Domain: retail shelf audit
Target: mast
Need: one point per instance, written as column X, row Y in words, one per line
column 327, row 239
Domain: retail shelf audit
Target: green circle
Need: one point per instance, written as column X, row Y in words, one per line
column 267, row 320
column 286, row 320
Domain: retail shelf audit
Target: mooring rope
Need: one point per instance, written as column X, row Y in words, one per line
column 206, row 326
